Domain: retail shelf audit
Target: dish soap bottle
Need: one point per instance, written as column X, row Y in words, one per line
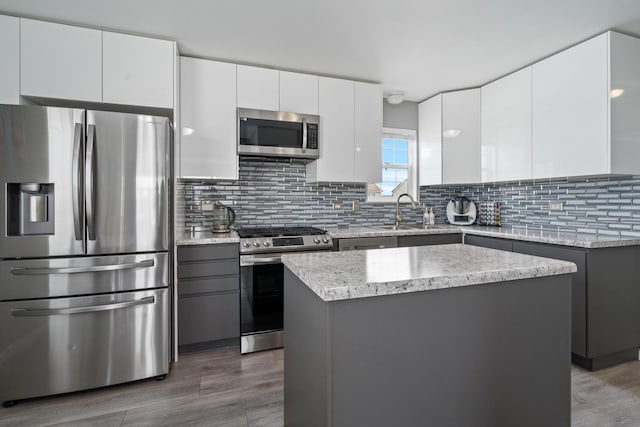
column 432, row 217
column 425, row 218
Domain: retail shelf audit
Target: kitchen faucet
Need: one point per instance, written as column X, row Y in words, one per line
column 398, row 217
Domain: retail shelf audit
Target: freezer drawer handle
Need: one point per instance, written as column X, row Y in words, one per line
column 27, row 312
column 15, row 271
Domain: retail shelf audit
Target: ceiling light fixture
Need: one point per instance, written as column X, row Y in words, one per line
column 395, row 98
column 187, row 131
column 451, row 133
column 615, row 93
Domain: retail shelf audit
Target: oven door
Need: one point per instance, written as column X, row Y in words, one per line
column 261, row 301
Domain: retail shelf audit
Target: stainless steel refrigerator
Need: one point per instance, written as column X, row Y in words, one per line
column 84, row 266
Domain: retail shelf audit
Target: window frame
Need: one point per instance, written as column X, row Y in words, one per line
column 412, row 147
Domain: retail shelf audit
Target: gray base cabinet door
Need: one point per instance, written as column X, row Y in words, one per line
column 578, row 287
column 208, row 295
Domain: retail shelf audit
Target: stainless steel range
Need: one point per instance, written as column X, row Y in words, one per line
column 262, row 279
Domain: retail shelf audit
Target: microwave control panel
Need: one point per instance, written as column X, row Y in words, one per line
column 312, row 136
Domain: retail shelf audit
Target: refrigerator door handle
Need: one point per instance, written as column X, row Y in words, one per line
column 90, row 186
column 76, row 180
column 19, row 271
column 28, row 312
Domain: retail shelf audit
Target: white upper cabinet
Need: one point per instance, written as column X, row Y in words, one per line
column 298, row 93
column 208, row 119
column 461, row 137
column 60, row 61
column 368, row 132
column 258, row 88
column 137, row 70
column 570, row 106
column 336, row 132
column 10, row 63
column 506, row 128
column 624, row 104
column 430, row 141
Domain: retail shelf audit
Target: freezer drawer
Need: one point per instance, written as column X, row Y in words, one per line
column 65, row 277
column 68, row 344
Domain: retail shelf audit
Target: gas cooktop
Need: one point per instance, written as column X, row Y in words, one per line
column 254, row 240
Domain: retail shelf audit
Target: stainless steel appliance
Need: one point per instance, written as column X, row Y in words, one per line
column 277, row 133
column 84, row 267
column 461, row 211
column 262, row 280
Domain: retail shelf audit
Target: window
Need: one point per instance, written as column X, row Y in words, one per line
column 399, row 170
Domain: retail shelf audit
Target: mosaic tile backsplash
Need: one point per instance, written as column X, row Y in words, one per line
column 274, row 192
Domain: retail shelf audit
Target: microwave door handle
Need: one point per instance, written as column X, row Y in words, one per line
column 304, row 135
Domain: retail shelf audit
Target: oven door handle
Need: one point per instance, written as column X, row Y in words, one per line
column 244, row 262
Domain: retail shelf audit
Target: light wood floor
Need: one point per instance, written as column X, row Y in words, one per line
column 222, row 388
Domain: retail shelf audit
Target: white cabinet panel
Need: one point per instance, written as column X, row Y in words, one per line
column 461, row 150
column 137, row 70
column 258, row 88
column 60, row 61
column 430, row 141
column 506, row 128
column 208, row 116
column 298, row 93
column 625, row 126
column 368, row 132
column 336, row 133
column 10, row 63
column 570, row 112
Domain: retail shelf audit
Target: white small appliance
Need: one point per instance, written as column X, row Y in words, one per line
column 461, row 211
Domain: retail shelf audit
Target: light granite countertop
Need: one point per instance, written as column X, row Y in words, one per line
column 337, row 276
column 379, row 231
column 206, row 238
column 581, row 240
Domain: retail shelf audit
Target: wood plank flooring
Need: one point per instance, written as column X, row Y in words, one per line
column 222, row 388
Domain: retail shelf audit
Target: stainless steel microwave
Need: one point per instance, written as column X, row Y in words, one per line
column 277, row 133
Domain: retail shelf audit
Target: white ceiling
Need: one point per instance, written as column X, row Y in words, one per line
column 421, row 47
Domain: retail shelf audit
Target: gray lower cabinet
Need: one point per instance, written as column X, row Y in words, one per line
column 429, row 239
column 489, row 242
column 208, row 296
column 605, row 298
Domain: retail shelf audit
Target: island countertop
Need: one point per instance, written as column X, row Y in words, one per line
column 337, row 276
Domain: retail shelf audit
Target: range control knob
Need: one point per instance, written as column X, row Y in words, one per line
column 246, row 244
column 256, row 244
column 316, row 240
column 325, row 240
column 266, row 243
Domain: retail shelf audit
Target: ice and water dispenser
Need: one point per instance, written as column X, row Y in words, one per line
column 30, row 209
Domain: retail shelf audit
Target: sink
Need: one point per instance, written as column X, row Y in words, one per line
column 406, row 227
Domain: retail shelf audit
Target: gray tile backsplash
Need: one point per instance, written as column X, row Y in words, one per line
column 274, row 192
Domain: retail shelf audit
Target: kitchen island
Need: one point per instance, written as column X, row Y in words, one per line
column 445, row 335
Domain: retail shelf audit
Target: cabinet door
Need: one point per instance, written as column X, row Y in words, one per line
column 488, row 242
column 10, row 64
column 578, row 288
column 336, row 139
column 570, row 112
column 368, row 132
column 430, row 141
column 60, row 61
column 298, row 93
column 430, row 239
column 506, row 128
column 137, row 70
column 258, row 88
column 208, row 146
column 461, row 137
column 208, row 317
